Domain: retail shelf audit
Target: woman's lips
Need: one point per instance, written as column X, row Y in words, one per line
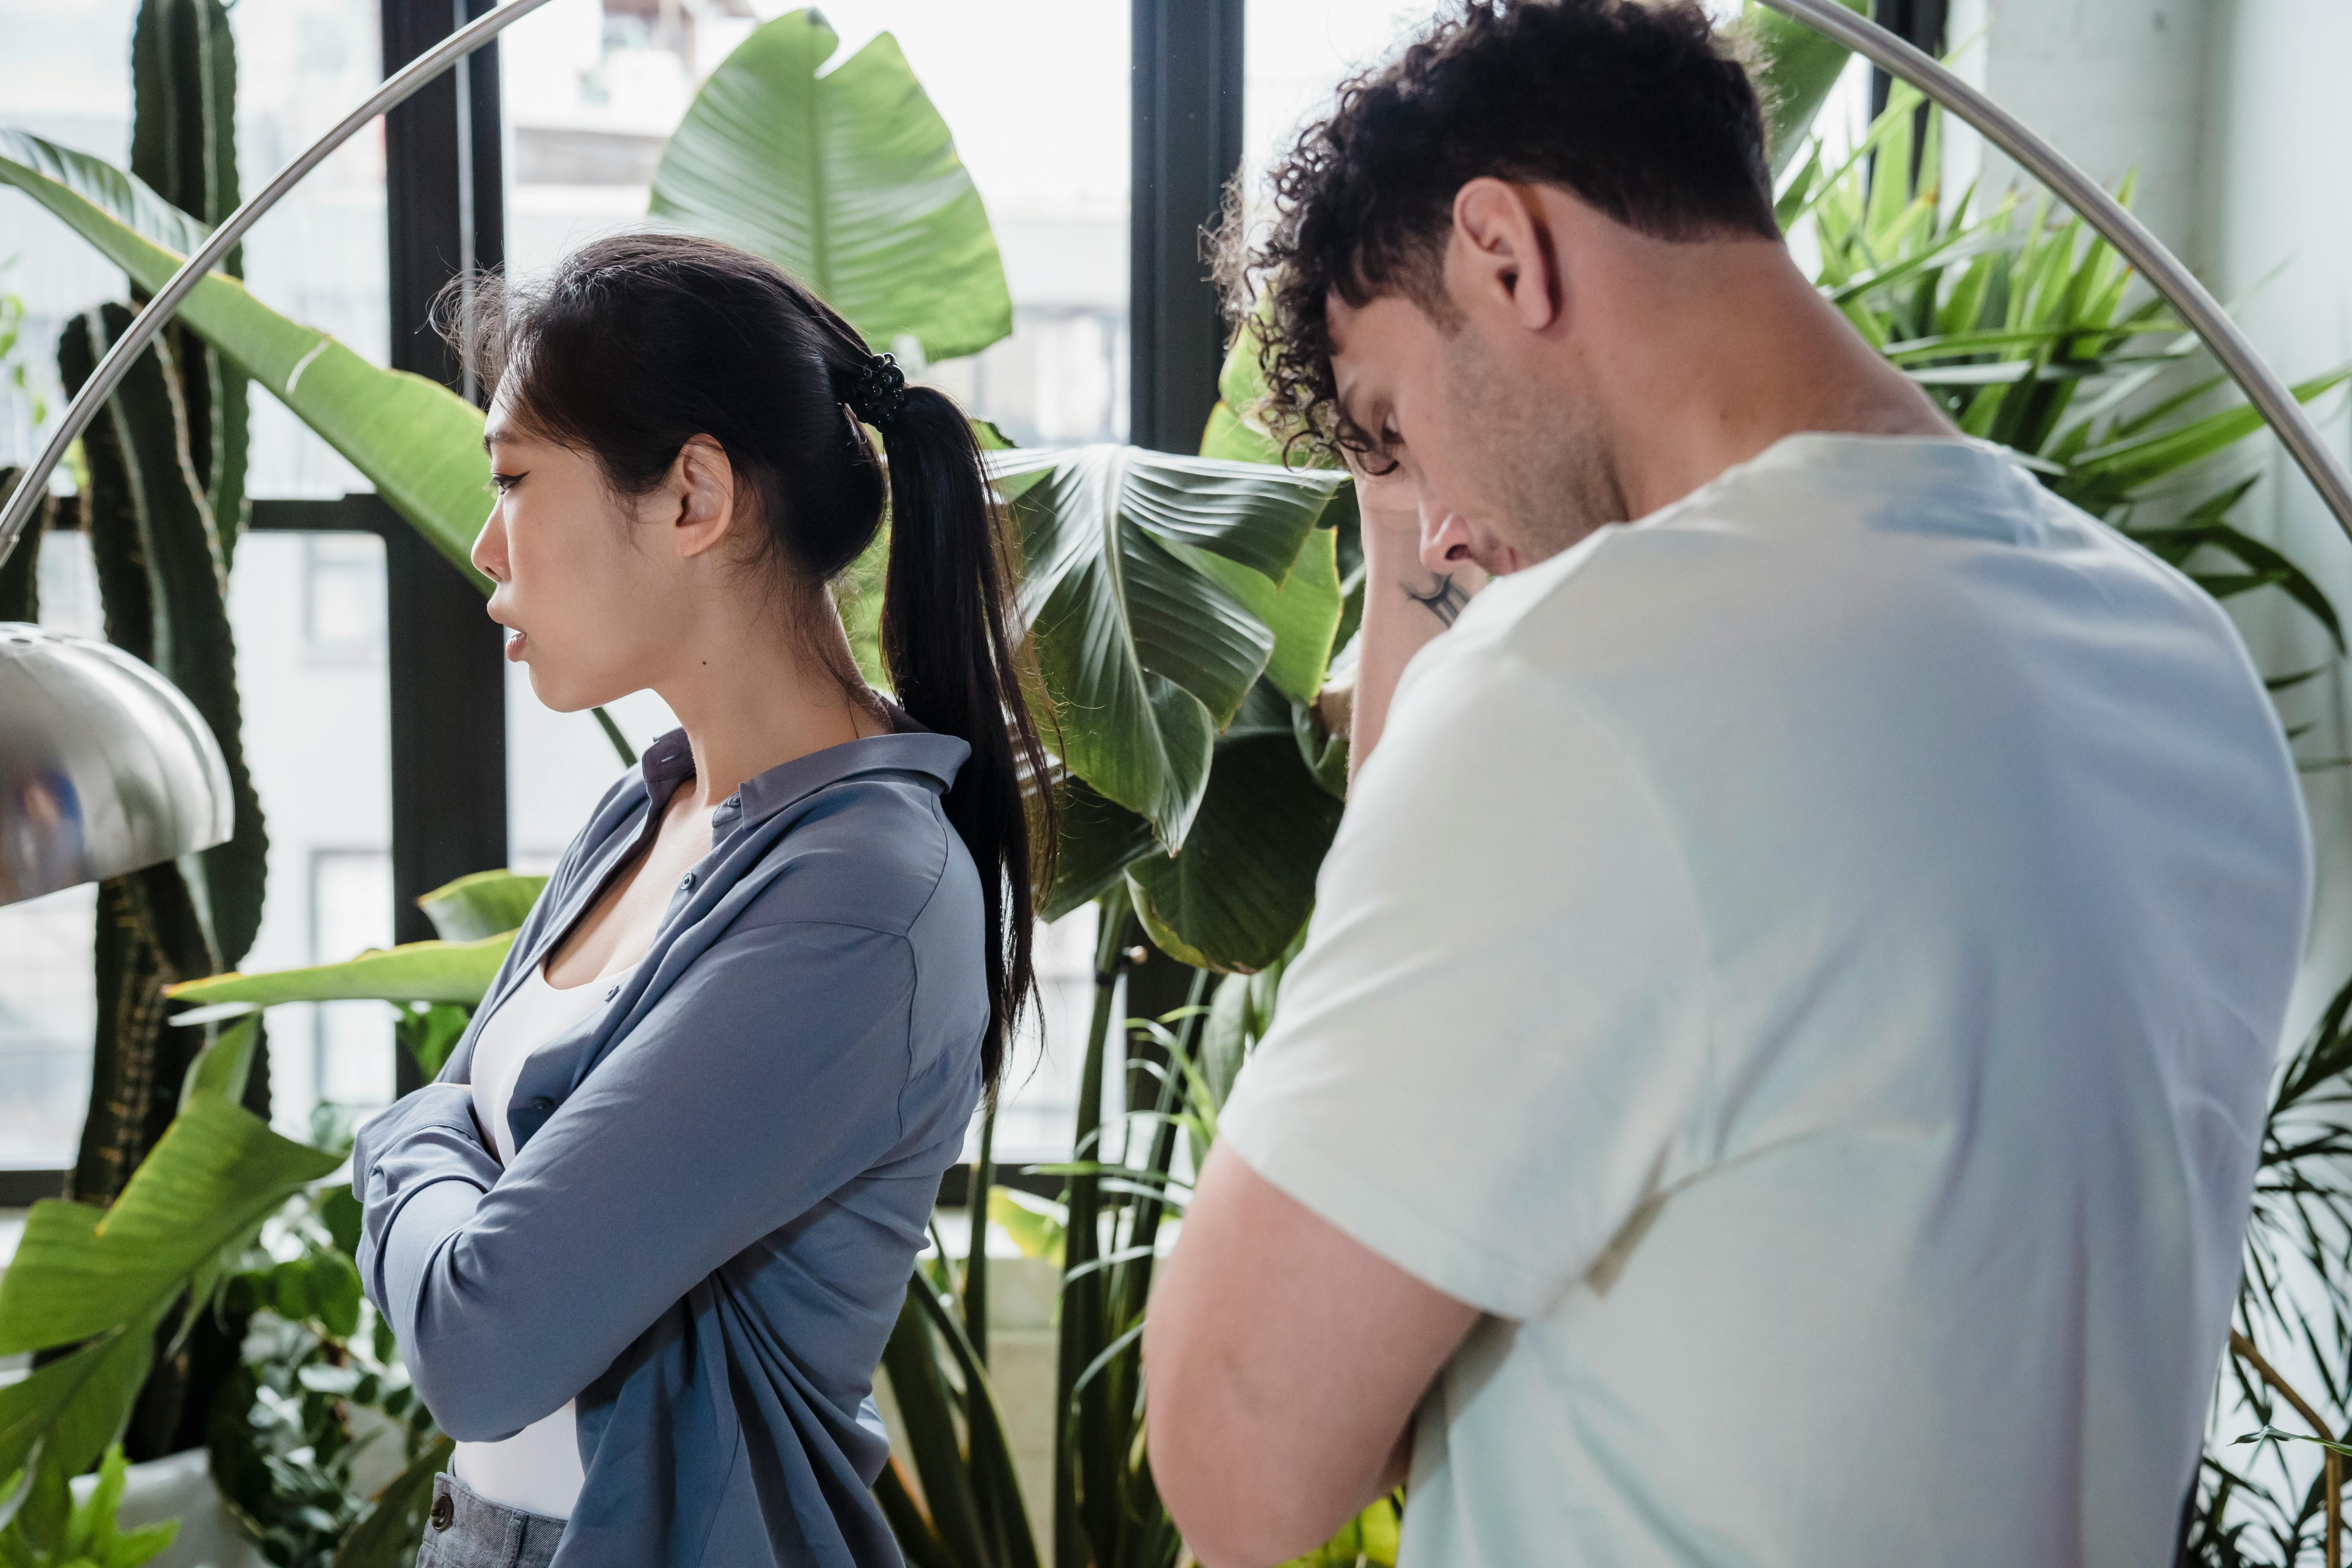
column 514, row 641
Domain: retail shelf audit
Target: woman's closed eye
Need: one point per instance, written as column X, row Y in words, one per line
column 502, row 483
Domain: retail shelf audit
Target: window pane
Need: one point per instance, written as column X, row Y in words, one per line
column 1294, row 54
column 308, row 609
column 68, row 80
column 320, row 257
column 48, row 1012
column 1039, row 1098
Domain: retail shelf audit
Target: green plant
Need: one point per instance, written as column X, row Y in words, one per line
column 1124, row 1182
column 2025, row 328
column 848, row 180
column 15, row 370
column 162, row 504
column 321, row 1395
column 92, row 1538
column 102, row 1292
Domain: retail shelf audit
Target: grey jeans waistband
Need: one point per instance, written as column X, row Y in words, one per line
column 465, row 1529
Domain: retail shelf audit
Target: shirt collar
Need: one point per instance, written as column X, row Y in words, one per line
column 908, row 748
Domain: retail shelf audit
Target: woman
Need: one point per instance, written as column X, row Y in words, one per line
column 643, row 1242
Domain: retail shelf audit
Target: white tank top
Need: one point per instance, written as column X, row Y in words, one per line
column 537, row 1468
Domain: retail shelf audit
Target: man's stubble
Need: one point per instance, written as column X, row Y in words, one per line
column 1540, row 460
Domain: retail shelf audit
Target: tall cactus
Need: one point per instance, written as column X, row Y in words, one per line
column 20, row 574
column 163, row 509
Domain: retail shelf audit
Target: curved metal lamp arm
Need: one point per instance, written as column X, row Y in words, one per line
column 2162, row 269
column 396, row 89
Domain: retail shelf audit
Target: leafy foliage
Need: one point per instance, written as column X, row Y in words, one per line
column 847, row 179
column 2026, row 330
column 93, row 1537
column 2295, row 1308
column 1107, row 1234
column 94, row 1285
column 322, row 1397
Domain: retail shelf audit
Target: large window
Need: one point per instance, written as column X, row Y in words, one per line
column 309, row 610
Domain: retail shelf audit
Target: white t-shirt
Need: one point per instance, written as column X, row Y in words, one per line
column 538, row 1469
column 1807, row 964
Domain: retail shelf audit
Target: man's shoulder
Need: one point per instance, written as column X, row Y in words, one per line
column 1812, row 557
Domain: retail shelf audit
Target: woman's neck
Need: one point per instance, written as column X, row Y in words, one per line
column 756, row 697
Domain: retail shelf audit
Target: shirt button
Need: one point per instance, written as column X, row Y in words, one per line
column 612, row 992
column 445, row 1508
column 540, row 1102
column 686, row 881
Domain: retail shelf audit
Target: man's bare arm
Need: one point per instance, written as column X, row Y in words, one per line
column 1406, row 604
column 1282, row 1361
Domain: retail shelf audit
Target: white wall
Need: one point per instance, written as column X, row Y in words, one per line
column 2275, row 218
column 2232, row 116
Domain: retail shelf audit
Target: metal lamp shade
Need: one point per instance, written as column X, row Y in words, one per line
column 104, row 766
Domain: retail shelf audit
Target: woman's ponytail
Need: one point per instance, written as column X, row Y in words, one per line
column 946, row 610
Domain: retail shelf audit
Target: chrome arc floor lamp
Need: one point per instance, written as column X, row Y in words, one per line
column 104, row 766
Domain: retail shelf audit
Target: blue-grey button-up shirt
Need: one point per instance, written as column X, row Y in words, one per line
column 722, row 1176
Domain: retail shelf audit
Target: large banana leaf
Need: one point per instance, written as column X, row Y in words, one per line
column 418, row 442
column 1095, row 843
column 848, row 180
column 1240, row 891
column 1148, row 632
column 458, row 972
column 69, row 1410
column 80, row 1271
column 482, row 904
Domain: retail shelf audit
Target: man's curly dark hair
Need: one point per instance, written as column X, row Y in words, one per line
column 1635, row 106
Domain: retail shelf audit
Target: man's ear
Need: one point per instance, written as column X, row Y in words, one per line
column 697, row 500
column 1501, row 253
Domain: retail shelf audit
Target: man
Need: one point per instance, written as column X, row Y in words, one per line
column 1775, row 1072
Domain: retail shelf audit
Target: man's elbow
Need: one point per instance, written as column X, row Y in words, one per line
column 1238, row 1504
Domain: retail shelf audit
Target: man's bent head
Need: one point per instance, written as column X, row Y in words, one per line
column 1439, row 241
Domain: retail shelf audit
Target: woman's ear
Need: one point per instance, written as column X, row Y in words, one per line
column 697, row 500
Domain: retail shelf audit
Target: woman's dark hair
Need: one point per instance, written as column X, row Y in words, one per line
column 641, row 341
column 1634, row 105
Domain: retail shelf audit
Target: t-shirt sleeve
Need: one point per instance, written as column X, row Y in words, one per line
column 1498, row 1030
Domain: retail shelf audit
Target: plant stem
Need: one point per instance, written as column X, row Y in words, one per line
column 1078, row 1435
column 2244, row 1349
column 975, row 1252
column 620, row 742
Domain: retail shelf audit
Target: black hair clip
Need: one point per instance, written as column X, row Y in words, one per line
column 877, row 393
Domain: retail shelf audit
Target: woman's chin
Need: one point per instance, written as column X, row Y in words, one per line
column 559, row 695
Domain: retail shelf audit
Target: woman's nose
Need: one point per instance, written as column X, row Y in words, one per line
column 489, row 552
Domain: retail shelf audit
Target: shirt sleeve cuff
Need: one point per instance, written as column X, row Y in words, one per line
column 1387, row 1223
